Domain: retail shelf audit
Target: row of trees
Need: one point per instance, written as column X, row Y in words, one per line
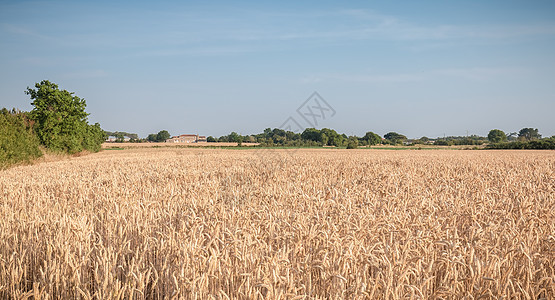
column 526, row 138
column 58, row 122
column 310, row 137
column 525, row 134
column 329, row 137
column 461, row 140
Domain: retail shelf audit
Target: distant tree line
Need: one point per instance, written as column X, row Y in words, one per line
column 461, row 140
column 159, row 137
column 329, row 137
column 58, row 122
column 325, row 137
column 311, row 137
column 526, row 138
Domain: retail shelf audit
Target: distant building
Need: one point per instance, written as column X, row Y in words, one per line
column 187, row 139
column 113, row 139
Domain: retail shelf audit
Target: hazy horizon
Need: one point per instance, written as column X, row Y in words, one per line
column 428, row 68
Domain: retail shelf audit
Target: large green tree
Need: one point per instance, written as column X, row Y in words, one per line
column 371, row 138
column 497, row 136
column 395, row 138
column 61, row 120
column 162, row 136
column 529, row 134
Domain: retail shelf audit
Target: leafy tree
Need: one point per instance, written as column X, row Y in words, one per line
column 529, row 134
column 234, row 137
column 267, row 133
column 119, row 137
column 545, row 143
column 395, row 138
column 311, row 134
column 278, row 132
column 443, row 142
column 324, row 139
column 352, row 142
column 496, row 136
column 94, row 138
column 371, row 138
column 162, row 136
column 512, row 136
column 61, row 120
column 334, row 138
column 152, row 137
column 210, row 139
column 423, row 140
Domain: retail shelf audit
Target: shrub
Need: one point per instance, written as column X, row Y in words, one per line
column 18, row 143
column 542, row 144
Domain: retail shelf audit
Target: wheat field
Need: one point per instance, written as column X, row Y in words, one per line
column 280, row 224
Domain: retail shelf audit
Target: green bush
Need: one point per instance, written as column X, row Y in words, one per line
column 18, row 142
column 542, row 144
column 61, row 120
column 443, row 143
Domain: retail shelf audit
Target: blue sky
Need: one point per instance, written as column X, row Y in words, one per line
column 421, row 68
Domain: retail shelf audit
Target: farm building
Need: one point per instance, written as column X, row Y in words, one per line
column 187, row 138
column 113, row 139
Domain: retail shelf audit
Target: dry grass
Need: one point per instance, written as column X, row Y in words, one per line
column 351, row 224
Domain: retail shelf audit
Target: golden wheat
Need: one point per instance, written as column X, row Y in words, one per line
column 304, row 224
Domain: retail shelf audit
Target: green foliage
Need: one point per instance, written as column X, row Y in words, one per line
column 162, row 136
column 94, row 137
column 371, row 138
column 312, row 137
column 210, row 139
column 545, row 143
column 443, row 143
column 512, row 136
column 423, row 140
column 120, row 136
column 18, row 142
column 497, row 136
column 313, row 134
column 352, row 142
column 395, row 138
column 325, row 137
column 529, row 134
column 461, row 140
column 61, row 120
